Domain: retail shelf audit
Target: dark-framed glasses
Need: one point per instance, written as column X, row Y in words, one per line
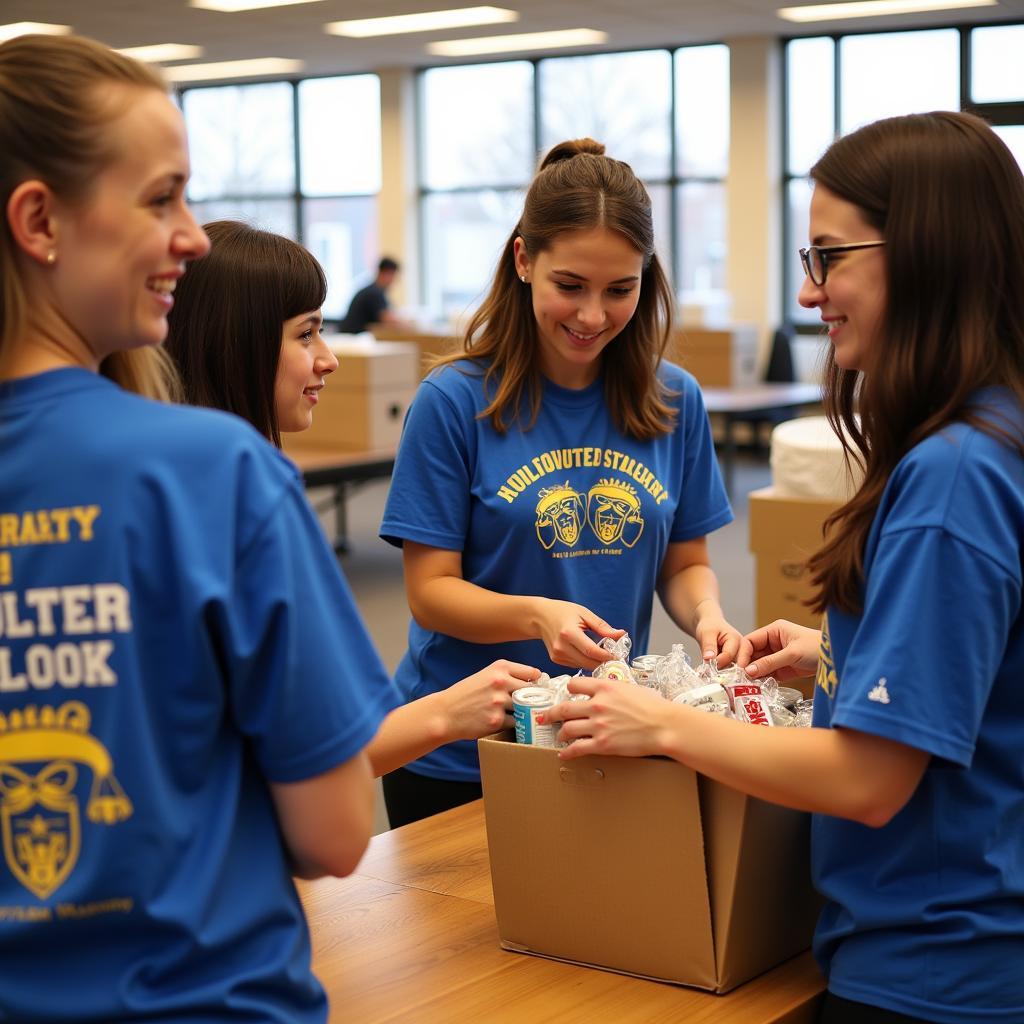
column 815, row 259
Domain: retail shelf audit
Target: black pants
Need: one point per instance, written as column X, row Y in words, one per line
column 409, row 796
column 836, row 1010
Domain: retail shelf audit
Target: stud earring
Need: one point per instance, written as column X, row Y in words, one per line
column 51, row 258
column 522, row 277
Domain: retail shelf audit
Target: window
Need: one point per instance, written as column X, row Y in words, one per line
column 278, row 156
column 835, row 84
column 473, row 183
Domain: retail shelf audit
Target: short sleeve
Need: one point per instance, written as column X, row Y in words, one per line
column 937, row 613
column 703, row 503
column 305, row 683
column 429, row 498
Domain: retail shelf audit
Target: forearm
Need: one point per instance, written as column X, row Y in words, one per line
column 837, row 772
column 689, row 593
column 408, row 732
column 455, row 607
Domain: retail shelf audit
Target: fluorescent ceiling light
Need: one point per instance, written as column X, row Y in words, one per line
column 159, row 52
column 522, row 41
column 428, row 21
column 874, row 8
column 24, row 28
column 234, row 69
column 231, row 6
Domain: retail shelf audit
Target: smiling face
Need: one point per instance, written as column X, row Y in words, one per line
column 585, row 290
column 304, row 362
column 853, row 298
column 120, row 251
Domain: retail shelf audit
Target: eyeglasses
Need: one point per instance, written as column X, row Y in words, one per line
column 815, row 259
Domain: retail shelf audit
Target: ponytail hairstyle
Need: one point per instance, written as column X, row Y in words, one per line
column 577, row 188
column 947, row 195
column 224, row 332
column 53, row 127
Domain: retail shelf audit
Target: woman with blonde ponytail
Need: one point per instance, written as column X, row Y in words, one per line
column 555, row 473
column 181, row 723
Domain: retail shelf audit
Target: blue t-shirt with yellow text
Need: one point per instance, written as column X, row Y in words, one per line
column 570, row 509
column 173, row 635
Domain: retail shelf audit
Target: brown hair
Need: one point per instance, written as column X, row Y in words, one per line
column 229, row 308
column 52, row 128
column 948, row 197
column 577, row 188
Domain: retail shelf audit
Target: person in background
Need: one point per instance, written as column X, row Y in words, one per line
column 556, row 473
column 245, row 334
column 187, row 690
column 913, row 770
column 370, row 304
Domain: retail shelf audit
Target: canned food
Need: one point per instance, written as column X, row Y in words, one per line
column 527, row 703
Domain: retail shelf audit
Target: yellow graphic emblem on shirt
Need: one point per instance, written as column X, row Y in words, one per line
column 559, row 516
column 826, row 676
column 39, row 814
column 613, row 511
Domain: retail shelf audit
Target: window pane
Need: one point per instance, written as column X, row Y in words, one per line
column 702, row 226
column 898, row 73
column 277, row 215
column 810, row 117
column 1013, row 136
column 620, row 99
column 342, row 235
column 465, row 233
column 339, row 133
column 997, row 72
column 478, row 125
column 241, row 140
column 702, row 111
column 798, row 205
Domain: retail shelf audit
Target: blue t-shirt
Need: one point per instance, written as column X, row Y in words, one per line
column 925, row 916
column 173, row 634
column 570, row 509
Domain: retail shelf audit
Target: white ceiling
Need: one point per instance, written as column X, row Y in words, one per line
column 297, row 31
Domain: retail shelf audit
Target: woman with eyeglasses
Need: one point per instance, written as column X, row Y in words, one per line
column 913, row 771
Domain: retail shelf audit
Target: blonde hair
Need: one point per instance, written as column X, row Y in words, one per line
column 52, row 121
column 576, row 188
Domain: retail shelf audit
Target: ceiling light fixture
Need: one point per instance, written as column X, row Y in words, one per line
column 157, row 53
column 24, row 28
column 428, row 21
column 257, row 66
column 233, row 6
column 523, row 41
column 874, row 9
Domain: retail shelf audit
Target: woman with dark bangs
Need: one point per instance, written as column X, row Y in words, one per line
column 245, row 334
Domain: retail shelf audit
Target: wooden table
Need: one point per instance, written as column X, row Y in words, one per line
column 751, row 404
column 411, row 937
column 341, row 471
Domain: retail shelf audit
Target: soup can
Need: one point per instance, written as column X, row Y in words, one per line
column 527, row 703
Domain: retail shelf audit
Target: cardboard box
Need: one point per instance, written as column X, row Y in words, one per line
column 429, row 344
column 722, row 358
column 363, row 406
column 784, row 533
column 643, row 867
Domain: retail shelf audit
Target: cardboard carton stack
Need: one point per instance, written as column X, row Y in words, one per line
column 718, row 358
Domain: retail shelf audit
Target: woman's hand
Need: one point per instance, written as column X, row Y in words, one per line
column 563, row 627
column 717, row 639
column 783, row 650
column 482, row 703
column 619, row 718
